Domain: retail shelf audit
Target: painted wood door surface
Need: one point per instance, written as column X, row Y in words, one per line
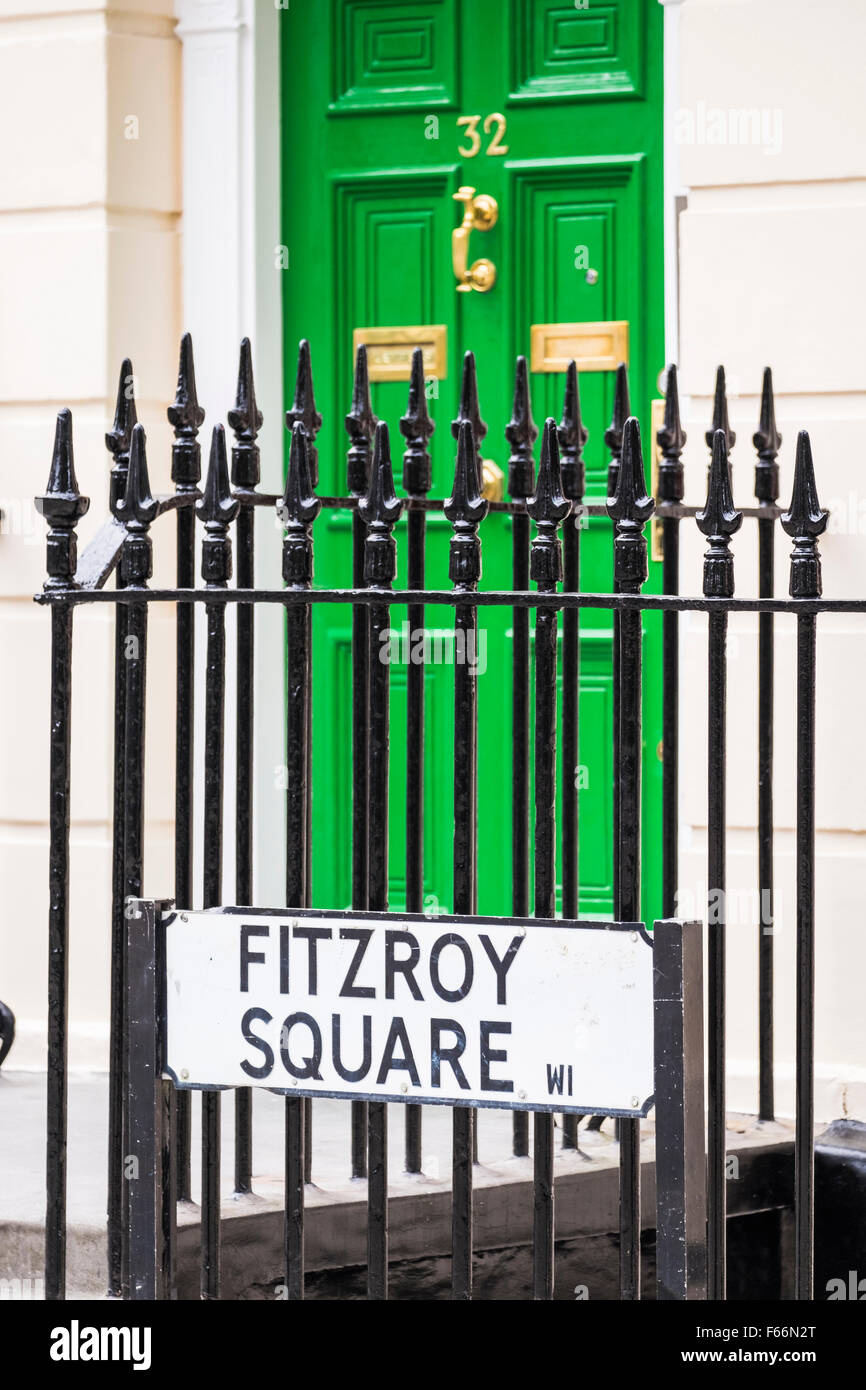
column 555, row 110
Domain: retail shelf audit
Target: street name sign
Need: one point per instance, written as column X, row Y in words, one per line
column 515, row 1013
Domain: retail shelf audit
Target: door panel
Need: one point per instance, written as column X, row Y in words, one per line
column 388, row 107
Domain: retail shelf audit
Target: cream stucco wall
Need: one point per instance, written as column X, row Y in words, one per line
column 771, row 271
column 89, row 273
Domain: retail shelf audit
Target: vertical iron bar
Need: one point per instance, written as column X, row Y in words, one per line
column 678, row 1021
column 137, row 510
column 303, row 411
column 416, row 427
column 766, row 644
column 416, row 521
column 520, row 764
column 548, row 509
column 185, row 415
column 465, row 509
column 360, row 425
column 246, row 421
column 767, row 441
column 671, row 486
column 152, row 1222
column 216, row 508
column 521, row 433
column 298, row 510
column 58, row 943
column 613, row 437
column 630, row 508
column 718, row 521
column 805, row 521
column 118, row 441
column 572, row 438
column 804, row 1157
column 379, row 510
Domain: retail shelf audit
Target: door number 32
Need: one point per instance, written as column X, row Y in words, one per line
column 471, row 124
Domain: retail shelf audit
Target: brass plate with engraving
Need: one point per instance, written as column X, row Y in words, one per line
column 595, row 347
column 389, row 350
column 657, row 419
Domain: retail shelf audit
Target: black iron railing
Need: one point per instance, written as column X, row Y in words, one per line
column 550, row 561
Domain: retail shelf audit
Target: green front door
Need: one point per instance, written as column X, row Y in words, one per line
column 555, row 110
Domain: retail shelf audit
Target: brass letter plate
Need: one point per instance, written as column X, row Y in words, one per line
column 389, row 350
column 595, row 347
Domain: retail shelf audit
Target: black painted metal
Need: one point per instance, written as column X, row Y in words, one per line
column 137, row 510
column 416, row 427
column 466, row 627
column 767, row 441
column 671, row 441
column 152, row 1203
column 186, row 417
column 303, row 411
column 298, row 512
column 613, row 438
column 720, row 419
column 718, row 521
column 62, row 507
column 521, row 433
column 465, row 509
column 805, row 521
column 360, row 424
column 548, row 508
column 572, row 438
column 245, row 421
column 216, row 509
column 118, row 441
column 380, row 509
column 630, row 508
column 681, row 1215
column 123, row 547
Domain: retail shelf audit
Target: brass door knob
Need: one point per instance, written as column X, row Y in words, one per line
column 492, row 481
column 480, row 212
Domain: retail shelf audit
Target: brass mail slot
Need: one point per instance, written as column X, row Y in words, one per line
column 389, row 350
column 595, row 347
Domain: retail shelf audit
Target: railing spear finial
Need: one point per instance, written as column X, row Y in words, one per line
column 416, row 427
column 671, row 439
column 548, row 509
column 303, row 408
column 298, row 510
column 720, row 416
column 718, row 521
column 465, row 509
column 805, row 520
column 245, row 420
column 572, row 436
column 767, row 440
column 186, row 417
column 62, row 506
column 521, row 433
column 469, row 411
column 613, row 435
column 380, row 509
column 217, row 509
column 361, row 427
column 118, row 440
column 137, row 510
column 630, row 508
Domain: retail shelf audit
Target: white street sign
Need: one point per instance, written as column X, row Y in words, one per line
column 545, row 1016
